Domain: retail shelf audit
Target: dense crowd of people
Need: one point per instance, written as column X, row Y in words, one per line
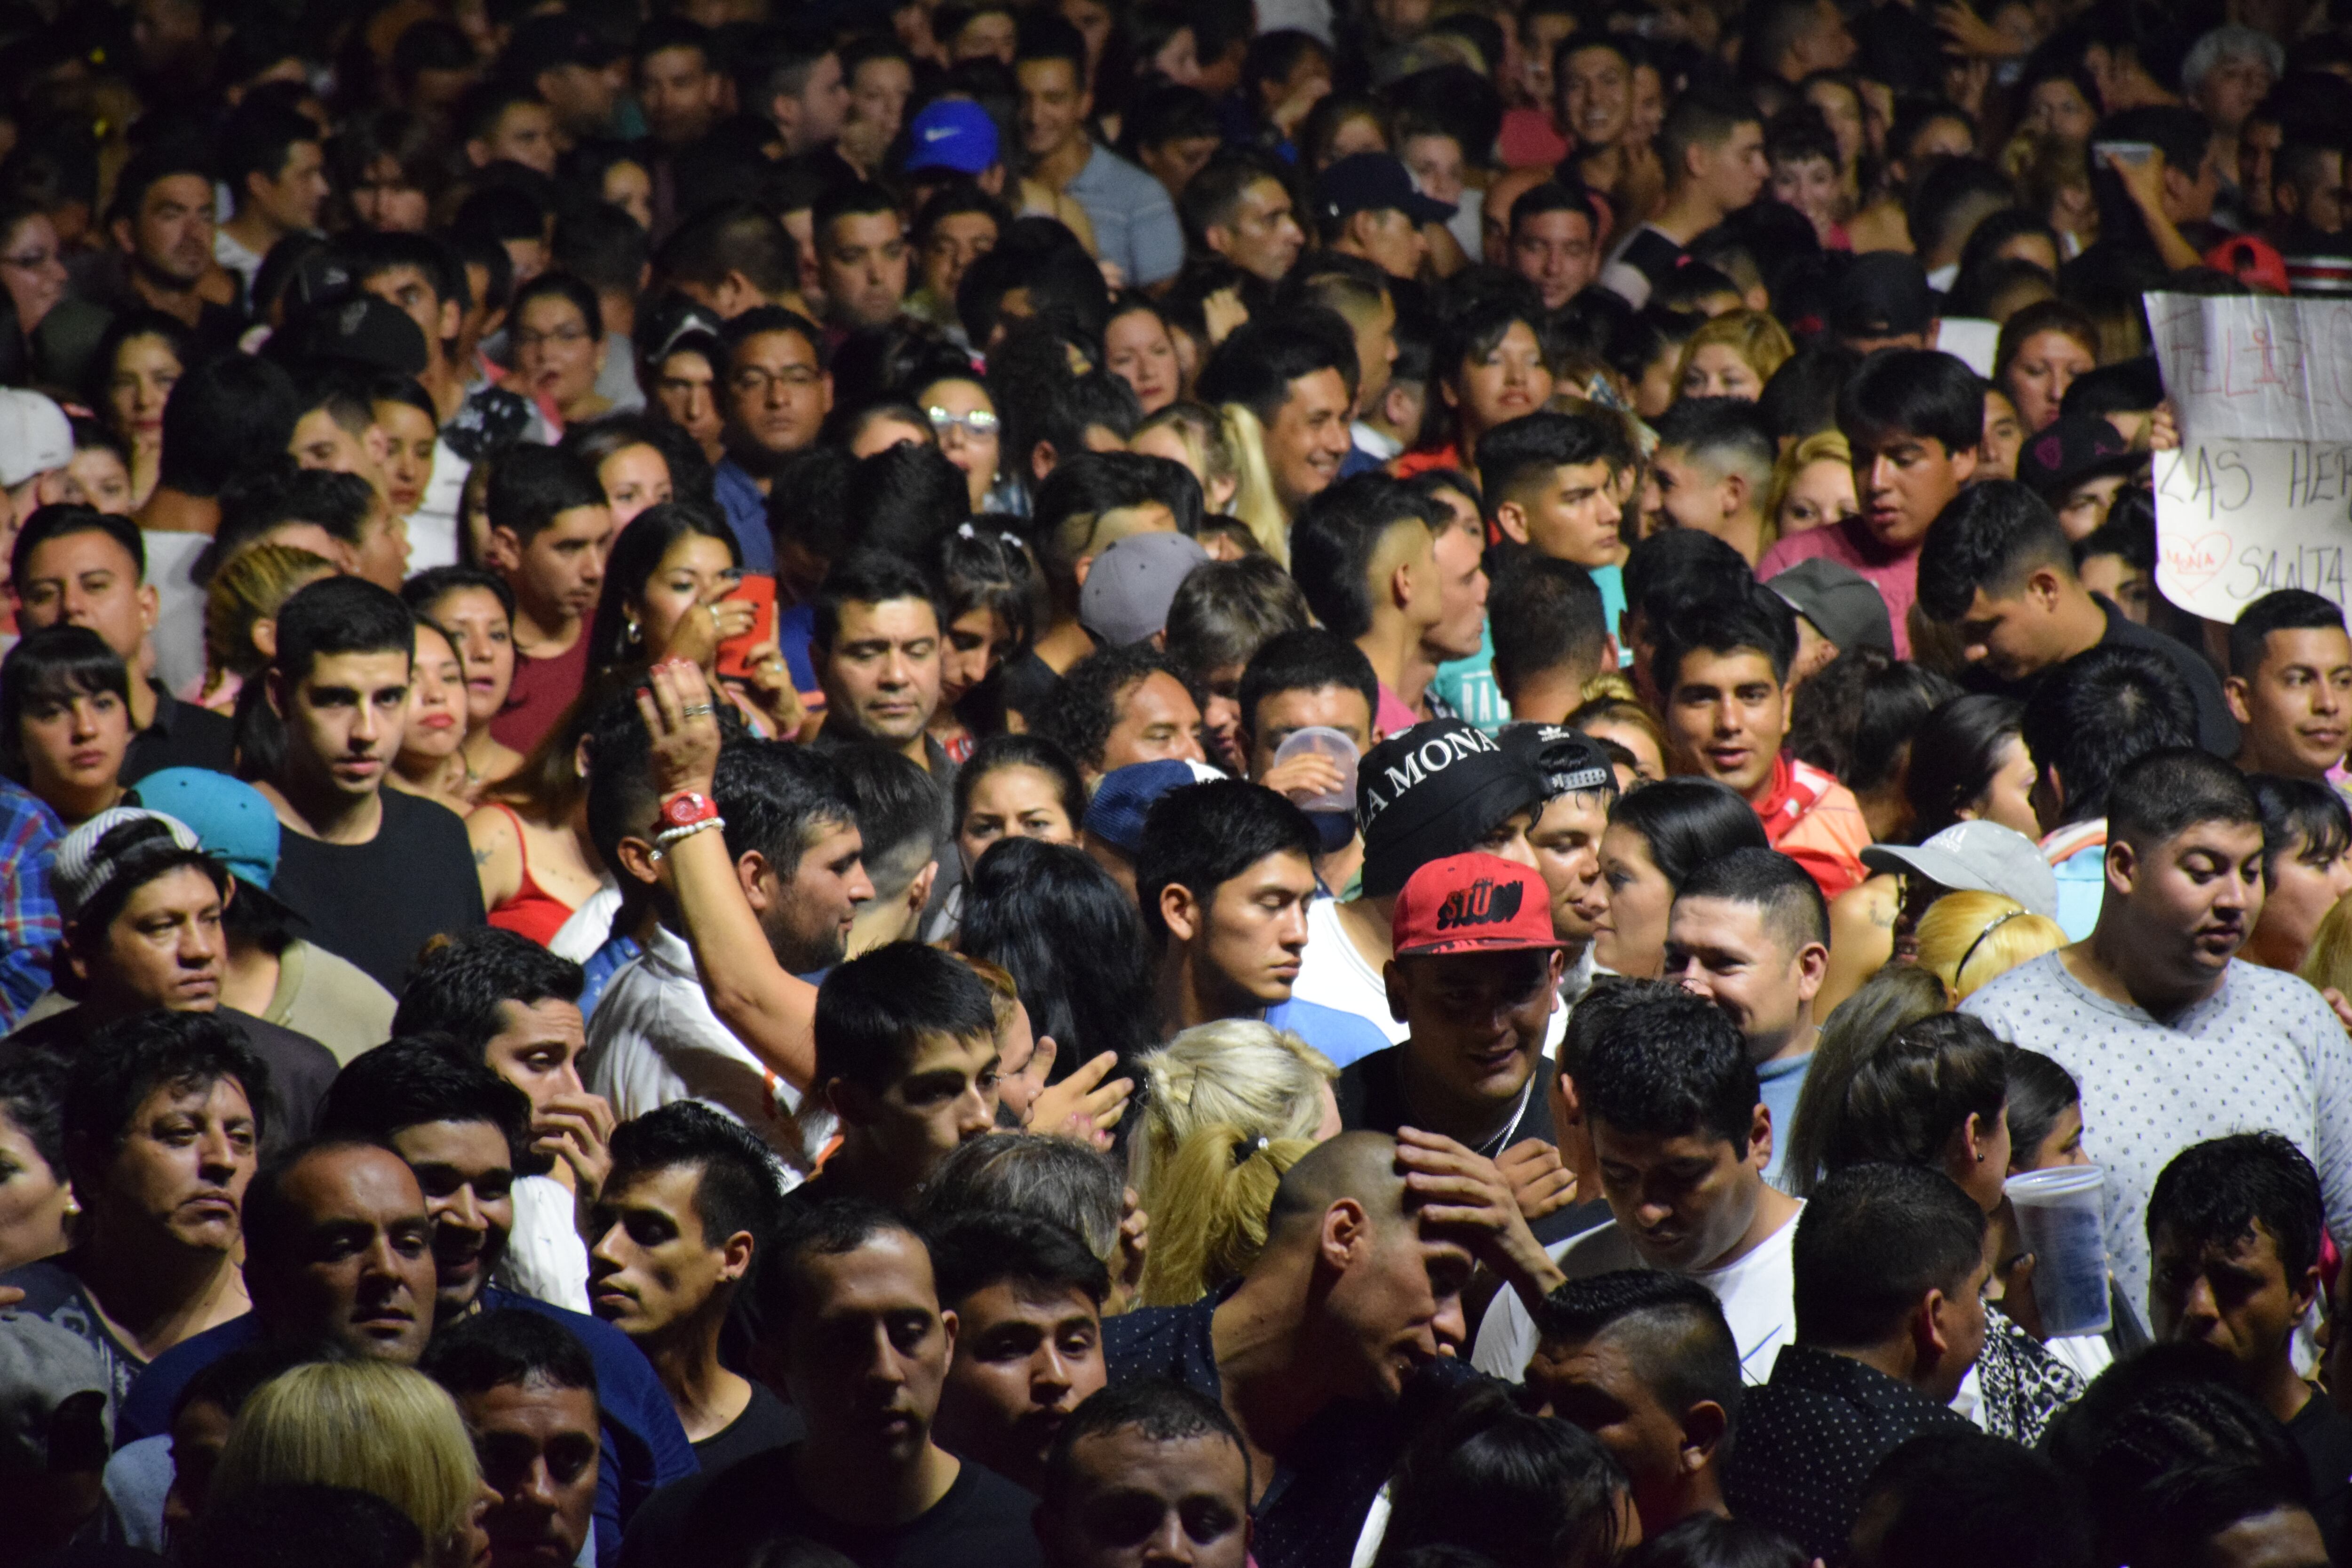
column 1109, row 783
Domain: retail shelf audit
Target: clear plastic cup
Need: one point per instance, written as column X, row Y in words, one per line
column 2061, row 1217
column 1334, row 745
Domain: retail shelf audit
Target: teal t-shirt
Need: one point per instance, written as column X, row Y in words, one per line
column 1467, row 685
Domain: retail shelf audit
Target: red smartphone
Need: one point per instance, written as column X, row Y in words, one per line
column 758, row 590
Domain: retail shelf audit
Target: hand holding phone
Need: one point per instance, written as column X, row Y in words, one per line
column 758, row 590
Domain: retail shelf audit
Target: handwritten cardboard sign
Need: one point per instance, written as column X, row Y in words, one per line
column 2235, row 519
column 2255, row 367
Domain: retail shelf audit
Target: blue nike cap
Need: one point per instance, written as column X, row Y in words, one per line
column 952, row 133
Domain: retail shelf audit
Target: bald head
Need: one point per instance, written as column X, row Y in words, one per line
column 1361, row 1166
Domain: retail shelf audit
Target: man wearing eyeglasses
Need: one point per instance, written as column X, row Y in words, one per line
column 777, row 390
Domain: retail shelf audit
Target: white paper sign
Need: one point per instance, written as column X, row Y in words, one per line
column 2255, row 367
column 2235, row 519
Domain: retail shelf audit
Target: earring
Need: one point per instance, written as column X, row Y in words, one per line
column 633, row 629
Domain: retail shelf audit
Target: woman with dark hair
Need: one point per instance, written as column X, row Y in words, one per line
column 1492, row 367
column 1139, row 349
column 1968, row 764
column 47, row 335
column 388, row 166
column 65, row 720
column 1016, row 786
column 531, row 848
column 475, row 609
column 641, row 461
column 2045, row 1113
column 962, row 411
column 132, row 374
column 665, row 596
column 558, row 332
column 2307, row 866
column 1859, row 719
column 992, row 602
column 1657, row 835
column 36, row 1199
column 1071, row 939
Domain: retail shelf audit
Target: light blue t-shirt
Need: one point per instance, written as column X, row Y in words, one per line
column 1135, row 223
column 2082, row 880
column 1611, row 581
column 1781, row 1082
column 1340, row 1037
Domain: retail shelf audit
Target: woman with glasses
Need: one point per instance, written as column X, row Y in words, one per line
column 559, row 346
column 48, row 335
column 964, row 416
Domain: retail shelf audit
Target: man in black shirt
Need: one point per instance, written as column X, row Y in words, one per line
column 1475, row 978
column 141, row 904
column 1151, row 1462
column 75, row 565
column 1996, row 566
column 2234, row 1232
column 850, row 1326
column 375, row 871
column 673, row 1236
column 528, row 1392
column 1027, row 1297
column 1890, row 1275
column 1357, row 1295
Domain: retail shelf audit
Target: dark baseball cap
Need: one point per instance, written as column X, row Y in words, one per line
column 2073, row 450
column 1568, row 761
column 1374, row 183
column 545, row 42
column 366, row 331
column 1436, row 790
column 1883, row 294
column 1841, row 603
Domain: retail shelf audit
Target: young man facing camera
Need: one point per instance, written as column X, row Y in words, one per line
column 1026, row 1296
column 1681, row 1135
column 1474, row 980
column 2173, row 1038
column 850, row 1328
column 375, row 871
column 692, row 1198
column 1722, row 672
column 1225, row 877
column 2290, row 685
column 1300, row 387
column 1303, row 680
column 906, row 1049
column 1914, row 419
column 550, row 528
column 527, row 1389
column 1554, row 483
column 1750, row 933
column 1149, row 1461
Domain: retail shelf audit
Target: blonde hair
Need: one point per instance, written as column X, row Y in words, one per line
column 1759, row 341
column 247, row 590
column 1609, row 698
column 367, row 1424
column 1228, row 1107
column 1255, row 503
column 1820, row 447
column 1202, row 436
column 1968, row 940
column 2328, row 960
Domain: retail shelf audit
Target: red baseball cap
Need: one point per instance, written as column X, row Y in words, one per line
column 1473, row 903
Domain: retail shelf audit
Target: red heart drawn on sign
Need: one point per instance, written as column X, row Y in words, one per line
column 2194, row 562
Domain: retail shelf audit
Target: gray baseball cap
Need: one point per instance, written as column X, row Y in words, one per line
column 55, row 1396
column 1839, row 601
column 1978, row 858
column 1129, row 587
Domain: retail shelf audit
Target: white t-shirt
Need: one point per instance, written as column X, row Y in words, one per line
column 654, row 1040
column 179, row 635
column 545, row 1257
column 1757, row 1293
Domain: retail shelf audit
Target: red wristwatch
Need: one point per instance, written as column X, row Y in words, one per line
column 688, row 807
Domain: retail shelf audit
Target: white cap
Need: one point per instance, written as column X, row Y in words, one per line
column 78, row 873
column 1977, row 856
column 33, row 436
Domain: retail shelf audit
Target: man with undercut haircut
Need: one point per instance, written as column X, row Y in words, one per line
column 1151, row 1454
column 1712, row 471
column 1889, row 1274
column 1712, row 145
column 1027, row 1297
column 2172, row 1037
column 1680, row 1135
column 1357, row 1297
column 1644, row 1362
column 1750, row 933
column 1998, row 569
column 1365, row 555
column 1549, row 626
